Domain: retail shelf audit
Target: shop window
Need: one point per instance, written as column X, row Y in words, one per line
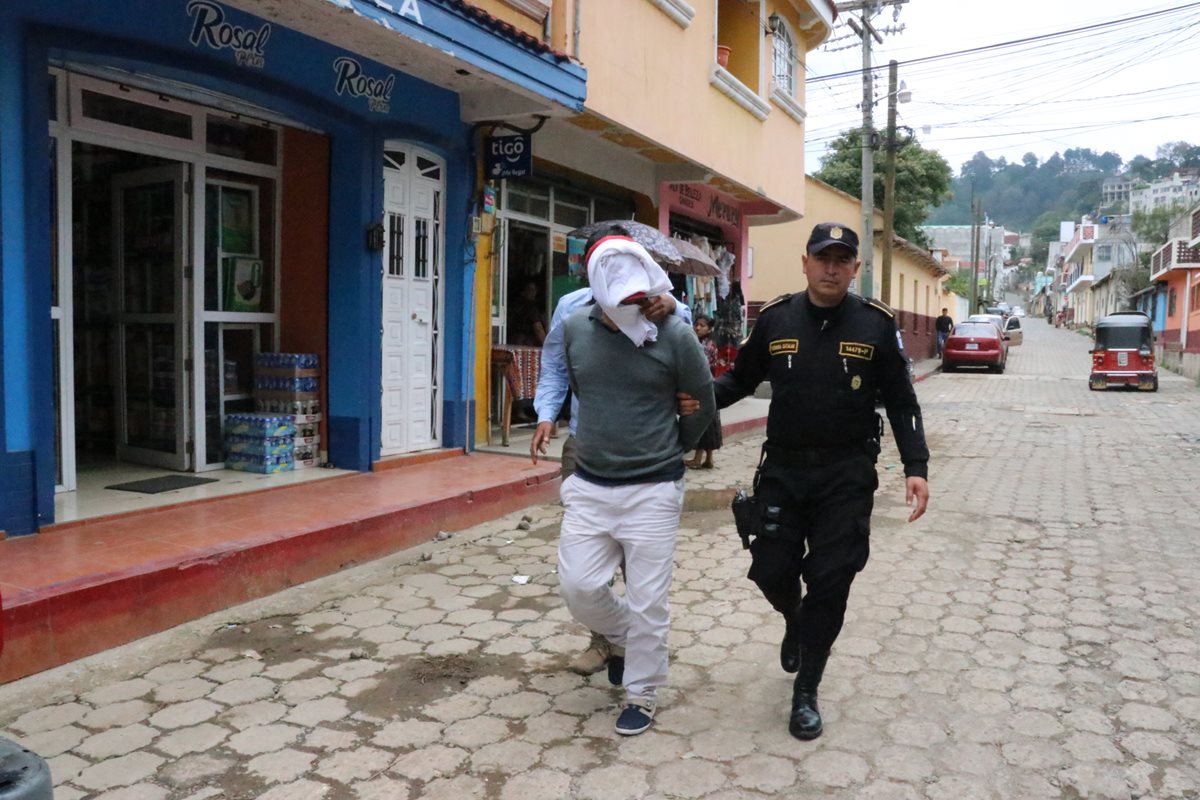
column 256, row 142
column 239, row 243
column 132, row 114
column 783, row 60
column 529, row 199
column 570, row 208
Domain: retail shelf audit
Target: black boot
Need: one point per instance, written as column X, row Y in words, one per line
column 789, row 648
column 805, row 722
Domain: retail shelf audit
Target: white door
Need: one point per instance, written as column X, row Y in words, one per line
column 414, row 187
column 150, row 239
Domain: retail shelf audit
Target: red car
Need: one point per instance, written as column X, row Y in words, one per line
column 975, row 344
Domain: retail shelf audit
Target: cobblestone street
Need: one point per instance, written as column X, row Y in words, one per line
column 1034, row 636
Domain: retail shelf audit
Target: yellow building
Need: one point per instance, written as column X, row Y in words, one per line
column 694, row 123
column 916, row 291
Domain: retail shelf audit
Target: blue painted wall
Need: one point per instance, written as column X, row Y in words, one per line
column 296, row 78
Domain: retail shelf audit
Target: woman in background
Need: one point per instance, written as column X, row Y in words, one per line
column 710, row 440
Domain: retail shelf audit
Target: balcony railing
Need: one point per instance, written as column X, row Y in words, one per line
column 1175, row 254
column 1085, row 236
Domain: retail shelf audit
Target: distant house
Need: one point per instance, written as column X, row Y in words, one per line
column 1176, row 267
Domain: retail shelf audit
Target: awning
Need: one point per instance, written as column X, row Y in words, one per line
column 498, row 71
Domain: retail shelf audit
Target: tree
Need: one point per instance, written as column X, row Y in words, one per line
column 959, row 282
column 1045, row 231
column 1178, row 154
column 1154, row 226
column 922, row 180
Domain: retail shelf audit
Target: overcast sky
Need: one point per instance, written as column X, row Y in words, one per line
column 1098, row 88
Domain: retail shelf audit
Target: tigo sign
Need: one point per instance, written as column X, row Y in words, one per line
column 509, row 156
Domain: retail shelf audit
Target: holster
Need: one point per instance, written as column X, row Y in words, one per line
column 747, row 516
column 747, row 507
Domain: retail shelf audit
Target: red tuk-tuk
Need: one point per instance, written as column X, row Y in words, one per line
column 1124, row 352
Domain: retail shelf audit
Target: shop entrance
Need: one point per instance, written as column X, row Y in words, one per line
column 165, row 283
column 130, row 235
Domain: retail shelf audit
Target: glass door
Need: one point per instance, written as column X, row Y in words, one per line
column 150, row 232
column 527, row 260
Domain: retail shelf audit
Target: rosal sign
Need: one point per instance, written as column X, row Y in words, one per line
column 352, row 81
column 211, row 29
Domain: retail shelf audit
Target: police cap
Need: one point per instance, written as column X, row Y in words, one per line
column 826, row 234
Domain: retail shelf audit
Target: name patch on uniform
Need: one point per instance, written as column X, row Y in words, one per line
column 783, row 346
column 856, row 350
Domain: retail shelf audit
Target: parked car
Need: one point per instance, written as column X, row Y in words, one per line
column 1018, row 311
column 1013, row 332
column 975, row 344
column 995, row 319
column 1124, row 352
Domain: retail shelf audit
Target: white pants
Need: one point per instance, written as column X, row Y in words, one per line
column 601, row 525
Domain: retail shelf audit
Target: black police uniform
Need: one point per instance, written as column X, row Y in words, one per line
column 818, row 480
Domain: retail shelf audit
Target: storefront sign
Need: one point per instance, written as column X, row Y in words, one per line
column 351, row 81
column 705, row 203
column 210, row 27
column 509, row 156
column 412, row 10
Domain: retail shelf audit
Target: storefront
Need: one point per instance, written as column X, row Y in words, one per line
column 715, row 223
column 217, row 185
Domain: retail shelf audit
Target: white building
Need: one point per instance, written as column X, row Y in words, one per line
column 1181, row 189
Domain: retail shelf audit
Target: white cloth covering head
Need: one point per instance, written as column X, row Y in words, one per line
column 619, row 267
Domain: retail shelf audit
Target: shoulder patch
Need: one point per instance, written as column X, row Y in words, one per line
column 878, row 305
column 783, row 298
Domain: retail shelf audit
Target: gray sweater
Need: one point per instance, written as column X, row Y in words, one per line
column 628, row 430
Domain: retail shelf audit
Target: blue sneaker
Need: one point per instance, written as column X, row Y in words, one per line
column 635, row 719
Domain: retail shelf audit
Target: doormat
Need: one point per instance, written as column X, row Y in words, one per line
column 164, row 484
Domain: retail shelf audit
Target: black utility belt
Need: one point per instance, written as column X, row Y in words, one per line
column 820, row 456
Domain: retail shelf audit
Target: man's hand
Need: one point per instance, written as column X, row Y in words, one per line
column 660, row 307
column 687, row 403
column 541, row 438
column 918, row 489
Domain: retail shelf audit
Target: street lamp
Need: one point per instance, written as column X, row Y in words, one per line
column 896, row 94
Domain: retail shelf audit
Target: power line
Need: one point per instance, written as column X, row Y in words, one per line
column 1014, row 42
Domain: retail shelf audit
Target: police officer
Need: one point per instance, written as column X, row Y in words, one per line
column 827, row 353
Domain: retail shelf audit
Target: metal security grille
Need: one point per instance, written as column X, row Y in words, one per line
column 395, row 245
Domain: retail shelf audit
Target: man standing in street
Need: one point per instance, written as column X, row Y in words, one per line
column 624, row 500
column 944, row 326
column 826, row 353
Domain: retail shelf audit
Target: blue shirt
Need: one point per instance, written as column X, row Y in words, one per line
column 552, row 382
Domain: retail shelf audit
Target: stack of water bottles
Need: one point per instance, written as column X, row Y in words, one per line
column 260, row 442
column 290, row 383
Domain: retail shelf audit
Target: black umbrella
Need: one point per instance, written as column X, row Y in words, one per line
column 660, row 246
column 695, row 260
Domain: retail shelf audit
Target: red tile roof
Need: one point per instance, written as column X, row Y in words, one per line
column 504, row 29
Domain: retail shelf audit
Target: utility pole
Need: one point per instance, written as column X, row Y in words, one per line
column 889, row 189
column 866, row 32
column 974, row 254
